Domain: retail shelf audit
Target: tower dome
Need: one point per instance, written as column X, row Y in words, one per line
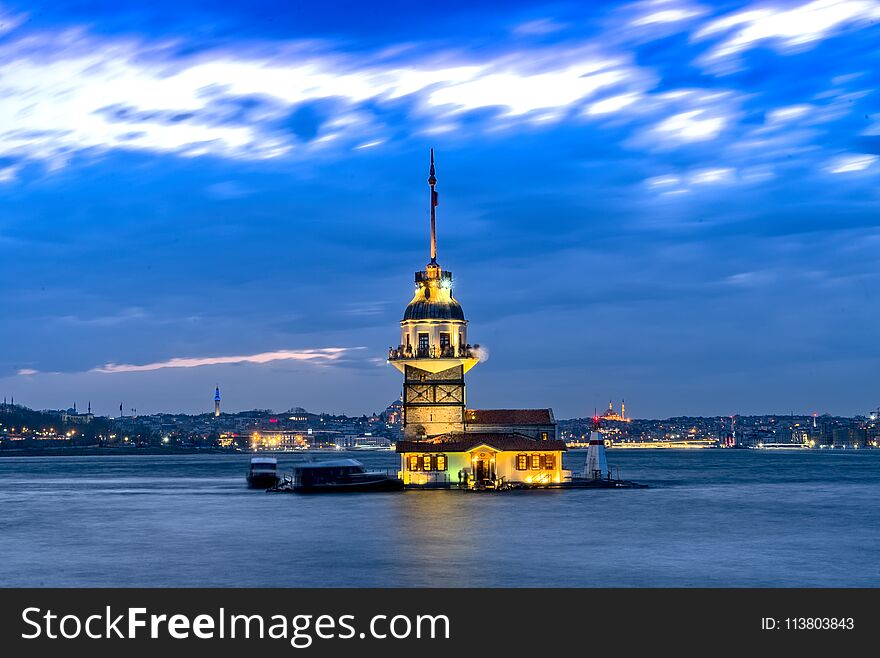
column 433, row 299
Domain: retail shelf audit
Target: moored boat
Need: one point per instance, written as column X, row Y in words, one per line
column 338, row 476
column 263, row 473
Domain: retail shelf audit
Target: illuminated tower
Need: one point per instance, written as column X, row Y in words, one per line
column 622, row 409
column 217, row 401
column 433, row 353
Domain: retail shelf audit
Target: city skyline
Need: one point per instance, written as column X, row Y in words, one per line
column 666, row 202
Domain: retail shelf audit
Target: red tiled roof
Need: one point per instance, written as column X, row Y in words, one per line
column 468, row 441
column 509, row 416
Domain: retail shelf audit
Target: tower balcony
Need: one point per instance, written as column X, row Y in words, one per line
column 433, row 358
column 426, row 275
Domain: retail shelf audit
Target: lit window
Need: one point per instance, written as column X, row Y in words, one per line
column 543, row 436
column 414, row 462
column 549, row 462
column 522, row 462
column 441, row 462
column 536, row 462
column 426, row 462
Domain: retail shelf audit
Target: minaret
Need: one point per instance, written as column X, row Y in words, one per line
column 433, row 353
column 622, row 409
column 217, row 401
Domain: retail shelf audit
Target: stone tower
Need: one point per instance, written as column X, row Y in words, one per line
column 433, row 353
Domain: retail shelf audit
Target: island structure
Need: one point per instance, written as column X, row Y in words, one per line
column 444, row 443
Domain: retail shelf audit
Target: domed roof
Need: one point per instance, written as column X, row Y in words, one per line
column 423, row 309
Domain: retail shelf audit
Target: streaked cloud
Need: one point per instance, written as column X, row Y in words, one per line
column 613, row 104
column 9, row 20
column 789, row 113
column 519, row 92
column 63, row 92
column 662, row 12
column 709, row 176
column 690, row 126
column 784, row 27
column 664, row 181
column 321, row 355
column 850, row 163
column 539, row 26
column 9, row 173
column 748, row 279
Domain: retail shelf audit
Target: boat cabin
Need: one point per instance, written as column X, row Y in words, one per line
column 327, row 472
column 263, row 472
column 264, row 464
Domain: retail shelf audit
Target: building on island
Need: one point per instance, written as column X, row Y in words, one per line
column 445, row 443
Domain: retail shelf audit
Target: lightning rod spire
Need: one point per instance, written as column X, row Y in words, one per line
column 432, row 181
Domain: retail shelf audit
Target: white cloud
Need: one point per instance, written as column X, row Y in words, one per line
column 368, row 145
column 752, row 278
column 789, row 113
column 440, row 128
column 664, row 181
column 716, row 175
column 690, row 126
column 72, row 91
column 757, row 174
column 9, row 21
column 786, row 28
column 538, row 27
column 613, row 103
column 521, row 92
column 687, row 181
column 9, row 173
column 317, row 355
column 662, row 12
column 850, row 163
column 322, row 355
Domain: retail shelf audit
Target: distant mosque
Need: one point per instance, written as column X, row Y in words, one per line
column 444, row 442
column 610, row 414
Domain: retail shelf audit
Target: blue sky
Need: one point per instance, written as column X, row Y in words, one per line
column 671, row 202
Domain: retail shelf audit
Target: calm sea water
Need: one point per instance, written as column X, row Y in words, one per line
column 710, row 518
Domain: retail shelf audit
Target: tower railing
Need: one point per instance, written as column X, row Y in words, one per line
column 424, row 276
column 402, row 352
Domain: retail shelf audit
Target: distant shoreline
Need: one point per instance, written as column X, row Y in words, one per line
column 82, row 452
column 152, row 450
